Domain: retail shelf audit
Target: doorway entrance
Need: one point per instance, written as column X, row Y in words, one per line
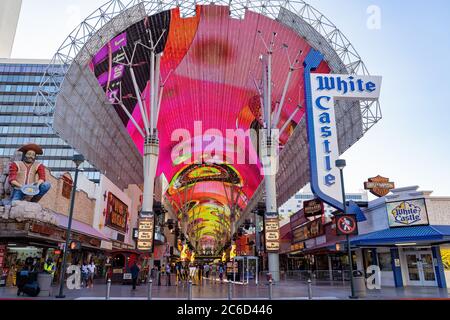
column 420, row 269
column 248, row 269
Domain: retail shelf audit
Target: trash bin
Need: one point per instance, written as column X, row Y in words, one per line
column 45, row 284
column 359, row 283
column 269, row 277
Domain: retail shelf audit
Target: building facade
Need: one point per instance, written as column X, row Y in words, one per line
column 20, row 124
column 407, row 235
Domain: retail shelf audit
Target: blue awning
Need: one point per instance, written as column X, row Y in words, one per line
column 353, row 208
column 421, row 234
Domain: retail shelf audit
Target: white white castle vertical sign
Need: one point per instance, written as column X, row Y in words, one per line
column 322, row 129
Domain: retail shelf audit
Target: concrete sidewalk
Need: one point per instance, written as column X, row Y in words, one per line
column 209, row 290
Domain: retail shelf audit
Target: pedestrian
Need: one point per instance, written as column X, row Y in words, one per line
column 50, row 267
column 221, row 270
column 178, row 270
column 84, row 274
column 134, row 274
column 213, row 269
column 192, row 270
column 91, row 268
column 206, row 270
column 168, row 275
column 200, row 272
column 162, row 270
column 154, row 272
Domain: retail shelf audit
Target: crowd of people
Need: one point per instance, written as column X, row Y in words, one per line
column 87, row 274
column 177, row 273
column 196, row 272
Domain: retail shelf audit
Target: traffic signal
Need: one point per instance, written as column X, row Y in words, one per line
column 75, row 245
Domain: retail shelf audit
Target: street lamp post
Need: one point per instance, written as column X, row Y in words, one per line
column 340, row 164
column 78, row 159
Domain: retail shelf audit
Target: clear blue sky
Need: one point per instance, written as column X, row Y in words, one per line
column 410, row 50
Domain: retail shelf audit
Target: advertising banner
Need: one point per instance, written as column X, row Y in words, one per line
column 322, row 90
column 116, row 213
column 310, row 230
column 379, row 186
column 407, row 213
column 146, row 233
column 272, row 234
column 313, row 208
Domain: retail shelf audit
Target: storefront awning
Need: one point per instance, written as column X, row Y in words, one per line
column 420, row 234
column 80, row 227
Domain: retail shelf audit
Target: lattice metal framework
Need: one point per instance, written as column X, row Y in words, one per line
column 45, row 102
column 115, row 15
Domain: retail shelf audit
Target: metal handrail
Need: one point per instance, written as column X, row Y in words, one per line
column 335, row 275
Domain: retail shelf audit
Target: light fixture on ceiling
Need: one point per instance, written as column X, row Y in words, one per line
column 406, row 244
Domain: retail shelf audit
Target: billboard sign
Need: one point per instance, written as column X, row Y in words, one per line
column 146, row 233
column 116, row 213
column 379, row 186
column 322, row 90
column 313, row 208
column 272, row 233
column 310, row 230
column 407, row 213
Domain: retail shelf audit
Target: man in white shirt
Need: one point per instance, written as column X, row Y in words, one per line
column 84, row 274
column 91, row 268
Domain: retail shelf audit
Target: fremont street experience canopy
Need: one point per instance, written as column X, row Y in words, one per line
column 209, row 64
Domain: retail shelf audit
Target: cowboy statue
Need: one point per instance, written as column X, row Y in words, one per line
column 27, row 177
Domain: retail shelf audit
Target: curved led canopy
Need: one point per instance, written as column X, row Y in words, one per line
column 210, row 69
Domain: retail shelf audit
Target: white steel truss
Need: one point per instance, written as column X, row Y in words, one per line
column 275, row 9
column 116, row 15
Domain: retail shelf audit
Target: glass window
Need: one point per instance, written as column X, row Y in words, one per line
column 385, row 261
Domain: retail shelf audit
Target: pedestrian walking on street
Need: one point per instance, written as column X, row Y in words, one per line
column 91, row 268
column 168, row 275
column 179, row 273
column 200, row 272
column 221, row 271
column 84, row 274
column 206, row 270
column 161, row 273
column 192, row 270
column 134, row 274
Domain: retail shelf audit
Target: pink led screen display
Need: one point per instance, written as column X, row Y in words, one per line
column 210, row 61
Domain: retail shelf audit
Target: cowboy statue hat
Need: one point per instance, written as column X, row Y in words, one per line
column 31, row 146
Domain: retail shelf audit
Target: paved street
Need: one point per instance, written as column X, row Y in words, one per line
column 215, row 291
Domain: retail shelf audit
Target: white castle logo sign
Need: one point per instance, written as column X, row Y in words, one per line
column 407, row 213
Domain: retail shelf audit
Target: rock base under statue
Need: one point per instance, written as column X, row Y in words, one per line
column 23, row 210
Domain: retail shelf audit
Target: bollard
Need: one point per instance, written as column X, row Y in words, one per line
column 310, row 295
column 230, row 291
column 108, row 289
column 149, row 292
column 270, row 289
column 190, row 290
